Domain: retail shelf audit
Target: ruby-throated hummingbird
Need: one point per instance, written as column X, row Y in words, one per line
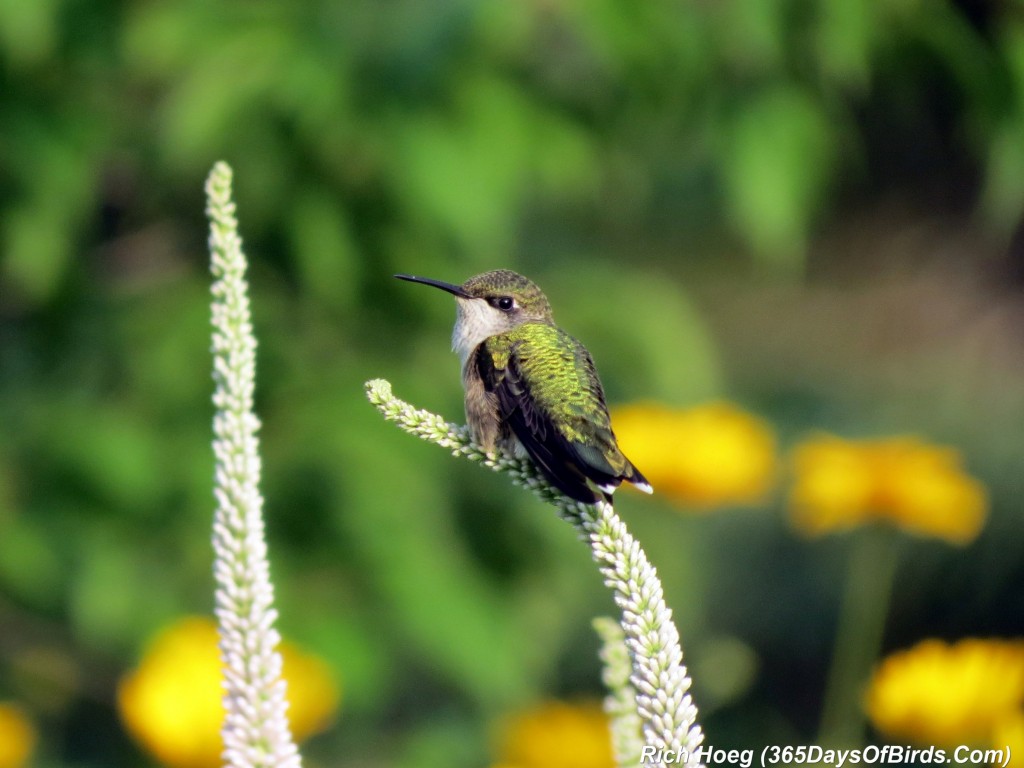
column 532, row 387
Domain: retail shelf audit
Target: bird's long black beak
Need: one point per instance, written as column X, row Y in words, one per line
column 452, row 289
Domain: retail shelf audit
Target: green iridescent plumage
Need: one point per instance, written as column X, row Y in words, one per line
column 550, row 397
column 532, row 387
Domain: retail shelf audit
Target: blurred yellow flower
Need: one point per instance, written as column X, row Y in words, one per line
column 947, row 695
column 172, row 702
column 556, row 735
column 920, row 487
column 707, row 456
column 1009, row 732
column 17, row 737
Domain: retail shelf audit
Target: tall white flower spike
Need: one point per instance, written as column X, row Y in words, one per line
column 255, row 732
column 657, row 683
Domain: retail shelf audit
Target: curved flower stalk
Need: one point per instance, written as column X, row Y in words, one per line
column 255, row 731
column 666, row 711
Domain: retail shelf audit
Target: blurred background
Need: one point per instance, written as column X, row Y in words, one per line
column 791, row 233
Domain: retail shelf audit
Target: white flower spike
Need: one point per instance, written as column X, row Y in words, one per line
column 657, row 684
column 255, row 732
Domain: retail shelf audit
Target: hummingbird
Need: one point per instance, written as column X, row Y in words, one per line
column 532, row 389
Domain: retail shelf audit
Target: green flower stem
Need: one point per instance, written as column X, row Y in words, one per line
column 859, row 634
column 620, row 704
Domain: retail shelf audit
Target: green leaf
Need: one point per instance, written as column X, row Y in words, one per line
column 776, row 159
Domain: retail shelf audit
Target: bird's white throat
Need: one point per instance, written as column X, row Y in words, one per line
column 476, row 321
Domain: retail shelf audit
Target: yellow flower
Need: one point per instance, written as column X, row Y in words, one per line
column 1009, row 732
column 556, row 734
column 172, row 702
column 946, row 695
column 920, row 487
column 711, row 455
column 17, row 737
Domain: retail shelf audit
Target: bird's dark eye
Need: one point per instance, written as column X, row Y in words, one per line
column 504, row 303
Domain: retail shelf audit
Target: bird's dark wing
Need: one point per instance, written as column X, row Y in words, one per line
column 549, row 394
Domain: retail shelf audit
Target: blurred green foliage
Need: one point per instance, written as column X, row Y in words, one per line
column 721, row 199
